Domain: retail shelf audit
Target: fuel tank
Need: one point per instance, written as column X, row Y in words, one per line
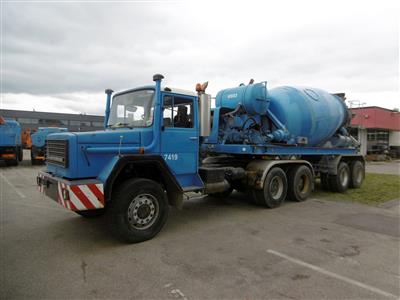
column 308, row 112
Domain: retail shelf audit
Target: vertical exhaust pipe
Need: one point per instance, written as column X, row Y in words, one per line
column 107, row 113
column 204, row 109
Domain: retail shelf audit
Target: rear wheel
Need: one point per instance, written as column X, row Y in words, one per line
column 300, row 183
column 357, row 174
column 274, row 191
column 34, row 154
column 138, row 210
column 340, row 182
column 20, row 153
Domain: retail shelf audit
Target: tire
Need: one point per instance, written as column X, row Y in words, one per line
column 340, row 182
column 300, row 183
column 34, row 153
column 33, row 160
column 357, row 174
column 20, row 154
column 91, row 214
column 275, row 189
column 325, row 184
column 138, row 210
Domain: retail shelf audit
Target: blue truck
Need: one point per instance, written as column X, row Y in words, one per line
column 160, row 143
column 38, row 138
column 10, row 141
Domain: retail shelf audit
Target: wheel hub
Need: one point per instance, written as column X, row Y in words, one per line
column 142, row 211
column 276, row 187
column 344, row 177
column 359, row 175
column 304, row 184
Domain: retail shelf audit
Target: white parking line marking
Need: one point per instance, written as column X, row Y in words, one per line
column 12, row 186
column 334, row 275
column 178, row 293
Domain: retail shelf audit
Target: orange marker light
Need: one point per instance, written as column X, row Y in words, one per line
column 198, row 87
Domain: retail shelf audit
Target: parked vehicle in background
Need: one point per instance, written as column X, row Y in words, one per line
column 10, row 141
column 26, row 138
column 38, row 148
column 160, row 143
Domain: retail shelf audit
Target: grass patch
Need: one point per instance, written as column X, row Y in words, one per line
column 376, row 189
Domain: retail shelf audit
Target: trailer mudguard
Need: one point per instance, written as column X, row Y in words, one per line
column 258, row 170
column 119, row 162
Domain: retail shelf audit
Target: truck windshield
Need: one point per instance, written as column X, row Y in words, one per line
column 134, row 109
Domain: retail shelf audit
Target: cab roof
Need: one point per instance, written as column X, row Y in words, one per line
column 164, row 88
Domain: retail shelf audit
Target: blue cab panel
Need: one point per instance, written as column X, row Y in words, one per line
column 82, row 163
column 39, row 137
column 10, row 133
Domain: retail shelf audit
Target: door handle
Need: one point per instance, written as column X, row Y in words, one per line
column 193, row 138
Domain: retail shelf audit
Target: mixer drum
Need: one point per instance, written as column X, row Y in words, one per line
column 308, row 112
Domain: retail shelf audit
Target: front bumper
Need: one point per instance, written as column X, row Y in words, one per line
column 77, row 195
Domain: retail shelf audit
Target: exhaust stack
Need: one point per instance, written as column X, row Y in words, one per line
column 204, row 109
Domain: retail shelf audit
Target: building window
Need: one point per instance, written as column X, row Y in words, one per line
column 28, row 121
column 85, row 123
column 79, row 123
column 378, row 141
column 97, row 124
column 74, row 123
column 51, row 122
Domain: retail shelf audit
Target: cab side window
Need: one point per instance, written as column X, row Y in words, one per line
column 177, row 112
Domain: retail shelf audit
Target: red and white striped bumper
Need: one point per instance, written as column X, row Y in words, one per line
column 74, row 195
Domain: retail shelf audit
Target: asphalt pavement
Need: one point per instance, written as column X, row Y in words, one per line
column 211, row 249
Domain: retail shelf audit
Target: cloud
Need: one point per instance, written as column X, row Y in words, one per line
column 68, row 52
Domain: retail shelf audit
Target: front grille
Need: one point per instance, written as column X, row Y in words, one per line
column 57, row 152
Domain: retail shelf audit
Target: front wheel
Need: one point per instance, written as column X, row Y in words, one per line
column 138, row 210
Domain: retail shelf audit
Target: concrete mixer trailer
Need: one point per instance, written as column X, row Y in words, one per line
column 160, row 143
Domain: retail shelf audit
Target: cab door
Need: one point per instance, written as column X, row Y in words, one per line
column 180, row 137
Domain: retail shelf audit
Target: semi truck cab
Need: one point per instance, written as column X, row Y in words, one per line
column 148, row 131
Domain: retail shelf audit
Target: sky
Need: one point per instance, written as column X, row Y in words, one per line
column 61, row 56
